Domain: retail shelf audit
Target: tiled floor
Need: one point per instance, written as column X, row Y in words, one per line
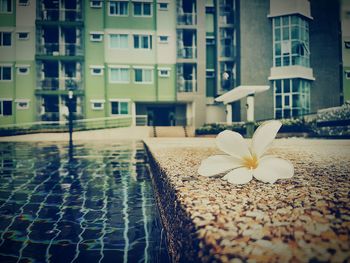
column 92, row 204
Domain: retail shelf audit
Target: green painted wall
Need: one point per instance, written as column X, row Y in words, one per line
column 130, row 21
column 25, row 89
column 167, row 85
column 9, row 19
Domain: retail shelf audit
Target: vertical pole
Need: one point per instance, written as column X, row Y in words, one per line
column 70, row 118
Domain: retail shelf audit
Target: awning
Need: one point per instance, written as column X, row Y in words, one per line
column 240, row 92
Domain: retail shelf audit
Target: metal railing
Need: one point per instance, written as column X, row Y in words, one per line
column 187, row 52
column 64, row 83
column 60, row 15
column 187, row 19
column 51, row 123
column 186, row 86
column 55, row 49
column 226, row 18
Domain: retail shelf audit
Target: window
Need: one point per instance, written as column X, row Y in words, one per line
column 5, row 107
column 291, row 97
column 163, row 39
column 119, row 75
column 96, row 4
column 164, row 72
column 210, row 73
column 118, row 41
column 23, row 2
column 119, row 107
column 96, row 36
column 143, row 41
column 163, row 6
column 23, row 70
column 5, row 39
column 291, row 41
column 5, row 6
column 23, row 35
column 210, row 41
column 118, row 8
column 143, row 75
column 347, row 44
column 142, row 9
column 97, row 104
column 22, row 104
column 347, row 74
column 96, row 71
column 5, row 73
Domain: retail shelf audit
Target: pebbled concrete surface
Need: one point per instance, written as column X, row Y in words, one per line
column 302, row 219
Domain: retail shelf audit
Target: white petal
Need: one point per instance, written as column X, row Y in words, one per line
column 271, row 168
column 264, row 136
column 217, row 164
column 232, row 143
column 239, row 176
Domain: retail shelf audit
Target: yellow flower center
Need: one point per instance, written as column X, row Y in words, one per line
column 250, row 162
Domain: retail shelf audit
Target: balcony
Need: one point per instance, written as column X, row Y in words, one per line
column 227, row 51
column 64, row 84
column 186, row 85
column 187, row 52
column 68, row 15
column 188, row 19
column 226, row 18
column 54, row 49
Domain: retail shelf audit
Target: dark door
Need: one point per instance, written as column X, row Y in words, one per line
column 161, row 116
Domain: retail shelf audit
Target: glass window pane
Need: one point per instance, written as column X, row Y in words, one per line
column 285, row 20
column 114, row 74
column 278, row 62
column 278, row 101
column 278, row 86
column 124, row 75
column 138, row 75
column 278, row 114
column 286, row 101
column 137, row 9
column 295, row 87
column 295, row 112
column 7, row 108
column 148, row 75
column 277, row 34
column 296, row 101
column 295, row 20
column 277, row 21
column 124, row 108
column 136, row 42
column 286, row 86
column 147, row 9
column 145, row 42
column 114, row 41
column 278, row 49
column 114, row 106
column 285, row 33
column 123, row 8
column 6, row 73
column 123, row 41
column 295, row 32
column 286, row 61
column 112, row 8
column 286, row 113
column 6, row 39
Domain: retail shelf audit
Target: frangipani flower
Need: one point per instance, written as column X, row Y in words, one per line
column 243, row 162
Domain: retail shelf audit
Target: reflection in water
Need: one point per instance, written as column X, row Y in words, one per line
column 90, row 203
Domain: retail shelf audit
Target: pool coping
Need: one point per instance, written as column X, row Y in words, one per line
column 196, row 240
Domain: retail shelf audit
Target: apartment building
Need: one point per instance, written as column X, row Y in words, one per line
column 169, row 59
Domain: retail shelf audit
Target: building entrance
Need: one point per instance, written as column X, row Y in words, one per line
column 161, row 116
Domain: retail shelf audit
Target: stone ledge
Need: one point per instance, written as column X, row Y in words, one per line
column 303, row 219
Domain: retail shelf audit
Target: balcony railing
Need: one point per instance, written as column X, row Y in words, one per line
column 60, row 15
column 226, row 18
column 187, row 19
column 186, row 85
column 187, row 52
column 227, row 51
column 59, row 84
column 55, row 49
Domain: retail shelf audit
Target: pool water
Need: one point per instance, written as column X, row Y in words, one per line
column 94, row 203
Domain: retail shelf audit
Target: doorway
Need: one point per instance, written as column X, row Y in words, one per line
column 161, row 116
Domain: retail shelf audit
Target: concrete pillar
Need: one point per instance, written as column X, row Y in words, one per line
column 133, row 114
column 250, row 108
column 228, row 114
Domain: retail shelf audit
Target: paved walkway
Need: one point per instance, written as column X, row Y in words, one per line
column 137, row 133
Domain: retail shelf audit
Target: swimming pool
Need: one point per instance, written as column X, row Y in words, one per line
column 95, row 204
